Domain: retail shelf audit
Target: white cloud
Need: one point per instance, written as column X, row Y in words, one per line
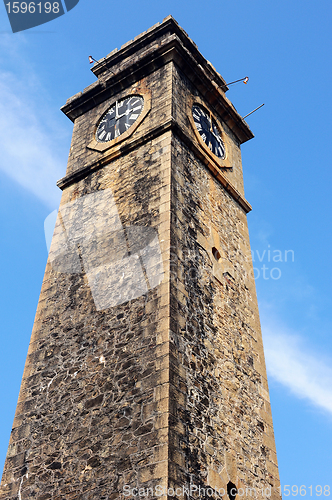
column 30, row 133
column 291, row 362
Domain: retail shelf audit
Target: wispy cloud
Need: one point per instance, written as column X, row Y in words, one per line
column 29, row 132
column 293, row 363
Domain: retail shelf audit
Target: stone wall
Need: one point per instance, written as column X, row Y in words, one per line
column 222, row 429
column 90, row 416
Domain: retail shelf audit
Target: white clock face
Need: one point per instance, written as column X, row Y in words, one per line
column 119, row 118
column 208, row 131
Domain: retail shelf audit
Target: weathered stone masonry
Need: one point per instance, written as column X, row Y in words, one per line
column 168, row 388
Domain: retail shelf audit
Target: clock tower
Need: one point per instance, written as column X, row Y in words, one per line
column 145, row 374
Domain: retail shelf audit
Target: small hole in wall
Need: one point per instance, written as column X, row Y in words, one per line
column 216, row 253
column 260, row 425
column 231, row 490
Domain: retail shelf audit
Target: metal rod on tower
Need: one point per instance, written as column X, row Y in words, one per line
column 244, row 80
column 251, row 112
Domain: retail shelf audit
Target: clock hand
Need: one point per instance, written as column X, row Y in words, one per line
column 126, row 113
column 218, row 139
column 214, row 135
column 117, row 116
column 120, row 116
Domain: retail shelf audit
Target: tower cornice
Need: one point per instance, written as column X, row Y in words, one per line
column 116, row 152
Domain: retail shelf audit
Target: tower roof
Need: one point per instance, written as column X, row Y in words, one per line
column 162, row 43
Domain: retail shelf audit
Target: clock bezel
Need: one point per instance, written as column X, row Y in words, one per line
column 220, row 163
column 104, row 146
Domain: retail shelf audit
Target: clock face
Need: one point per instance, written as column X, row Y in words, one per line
column 119, row 118
column 208, row 131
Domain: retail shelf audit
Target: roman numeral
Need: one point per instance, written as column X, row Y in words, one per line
column 108, row 137
column 127, row 125
column 102, row 134
column 133, row 116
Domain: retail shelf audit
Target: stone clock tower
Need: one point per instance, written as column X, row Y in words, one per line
column 145, row 375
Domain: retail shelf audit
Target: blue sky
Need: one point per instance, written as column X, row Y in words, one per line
column 285, row 49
